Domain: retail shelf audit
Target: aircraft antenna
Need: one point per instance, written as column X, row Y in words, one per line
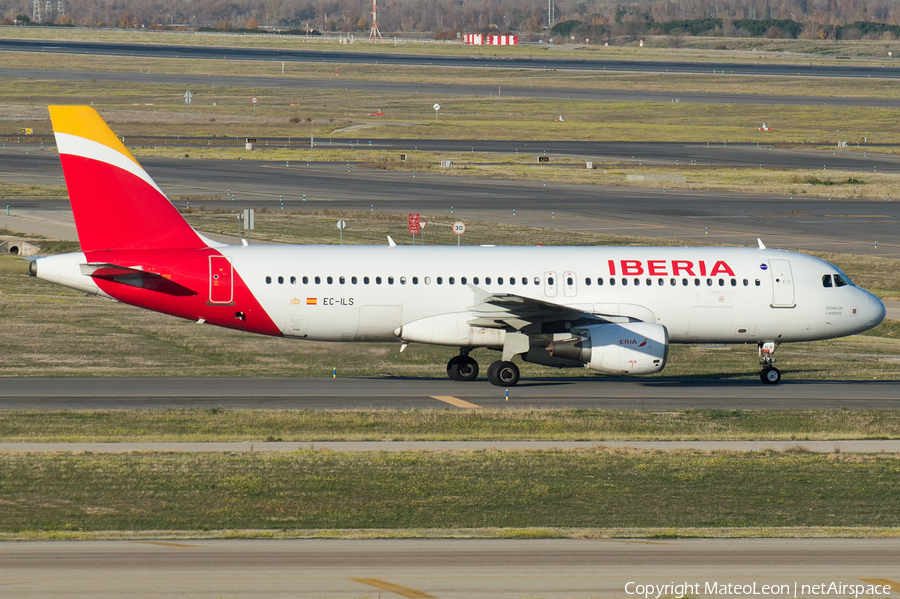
column 374, row 33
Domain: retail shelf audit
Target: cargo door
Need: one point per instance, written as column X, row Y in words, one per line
column 782, row 284
column 221, row 280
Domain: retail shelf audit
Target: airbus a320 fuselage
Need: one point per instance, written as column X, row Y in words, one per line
column 611, row 310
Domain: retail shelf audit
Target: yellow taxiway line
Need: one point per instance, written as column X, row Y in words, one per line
column 454, row 401
column 394, row 588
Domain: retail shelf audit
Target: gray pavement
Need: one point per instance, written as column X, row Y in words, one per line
column 885, row 68
column 654, row 394
column 448, row 569
column 867, row 227
column 837, row 446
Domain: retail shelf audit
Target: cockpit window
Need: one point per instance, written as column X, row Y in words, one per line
column 840, row 281
column 826, row 281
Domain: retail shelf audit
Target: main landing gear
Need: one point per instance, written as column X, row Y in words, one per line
column 769, row 375
column 465, row 368
column 462, row 367
column 503, row 374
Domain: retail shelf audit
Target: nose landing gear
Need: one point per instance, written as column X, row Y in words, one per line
column 769, row 375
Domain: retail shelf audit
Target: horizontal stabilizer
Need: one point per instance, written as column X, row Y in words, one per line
column 135, row 277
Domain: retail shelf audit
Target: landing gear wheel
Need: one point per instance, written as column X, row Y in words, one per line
column 770, row 376
column 462, row 368
column 503, row 374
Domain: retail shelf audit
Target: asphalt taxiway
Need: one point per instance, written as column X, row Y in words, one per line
column 658, row 394
column 885, row 69
column 857, row 226
column 445, row 568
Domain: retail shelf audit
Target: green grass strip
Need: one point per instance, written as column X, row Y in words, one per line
column 315, row 490
column 195, row 425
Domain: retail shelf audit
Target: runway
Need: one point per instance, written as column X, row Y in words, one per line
column 885, row 70
column 451, row 89
column 812, row 224
column 446, row 569
column 652, row 394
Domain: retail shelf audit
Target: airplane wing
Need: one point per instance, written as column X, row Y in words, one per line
column 509, row 310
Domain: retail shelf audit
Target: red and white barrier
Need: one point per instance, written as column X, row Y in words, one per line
column 479, row 39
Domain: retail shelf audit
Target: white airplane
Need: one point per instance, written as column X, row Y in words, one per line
column 613, row 310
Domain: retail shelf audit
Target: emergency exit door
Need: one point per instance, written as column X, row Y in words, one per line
column 221, row 280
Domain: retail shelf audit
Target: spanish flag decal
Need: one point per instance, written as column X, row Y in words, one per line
column 310, row 301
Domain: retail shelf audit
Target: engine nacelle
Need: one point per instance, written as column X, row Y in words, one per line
column 627, row 348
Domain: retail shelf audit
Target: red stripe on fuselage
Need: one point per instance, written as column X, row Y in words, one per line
column 189, row 269
column 115, row 209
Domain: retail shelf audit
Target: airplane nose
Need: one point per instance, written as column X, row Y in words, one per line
column 876, row 311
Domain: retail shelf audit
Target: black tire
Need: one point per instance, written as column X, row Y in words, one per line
column 503, row 374
column 453, row 368
column 462, row 368
column 770, row 376
column 467, row 369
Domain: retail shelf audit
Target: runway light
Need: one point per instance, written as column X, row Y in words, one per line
column 507, row 395
column 334, row 373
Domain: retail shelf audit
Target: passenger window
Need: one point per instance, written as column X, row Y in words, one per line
column 525, row 281
column 293, row 280
column 650, row 282
column 415, row 280
column 612, row 281
column 451, row 280
column 268, row 280
column 684, row 282
column 428, row 280
column 365, row 280
column 637, row 282
column 550, row 281
column 757, row 282
column 440, row 280
column 826, row 281
column 475, row 281
column 600, row 280
column 624, row 281
column 403, row 280
column 587, row 281
column 661, row 282
column 839, row 281
column 734, row 282
column 672, row 282
column 318, row 280
column 462, row 280
column 378, row 280
column 281, row 280
column 512, row 280
column 569, row 281
column 342, row 280
column 353, row 280
column 721, row 282
column 306, row 280
column 390, row 280
column 696, row 282
column 499, row 280
column 537, row 280
column 487, row 280
column 746, row 282
column 709, row 282
column 330, row 280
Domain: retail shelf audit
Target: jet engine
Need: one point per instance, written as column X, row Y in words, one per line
column 626, row 348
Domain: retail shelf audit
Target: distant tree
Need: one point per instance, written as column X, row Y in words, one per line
column 565, row 28
column 23, row 20
column 252, row 23
column 362, row 24
column 66, row 21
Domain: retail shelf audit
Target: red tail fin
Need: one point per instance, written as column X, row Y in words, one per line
column 116, row 203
